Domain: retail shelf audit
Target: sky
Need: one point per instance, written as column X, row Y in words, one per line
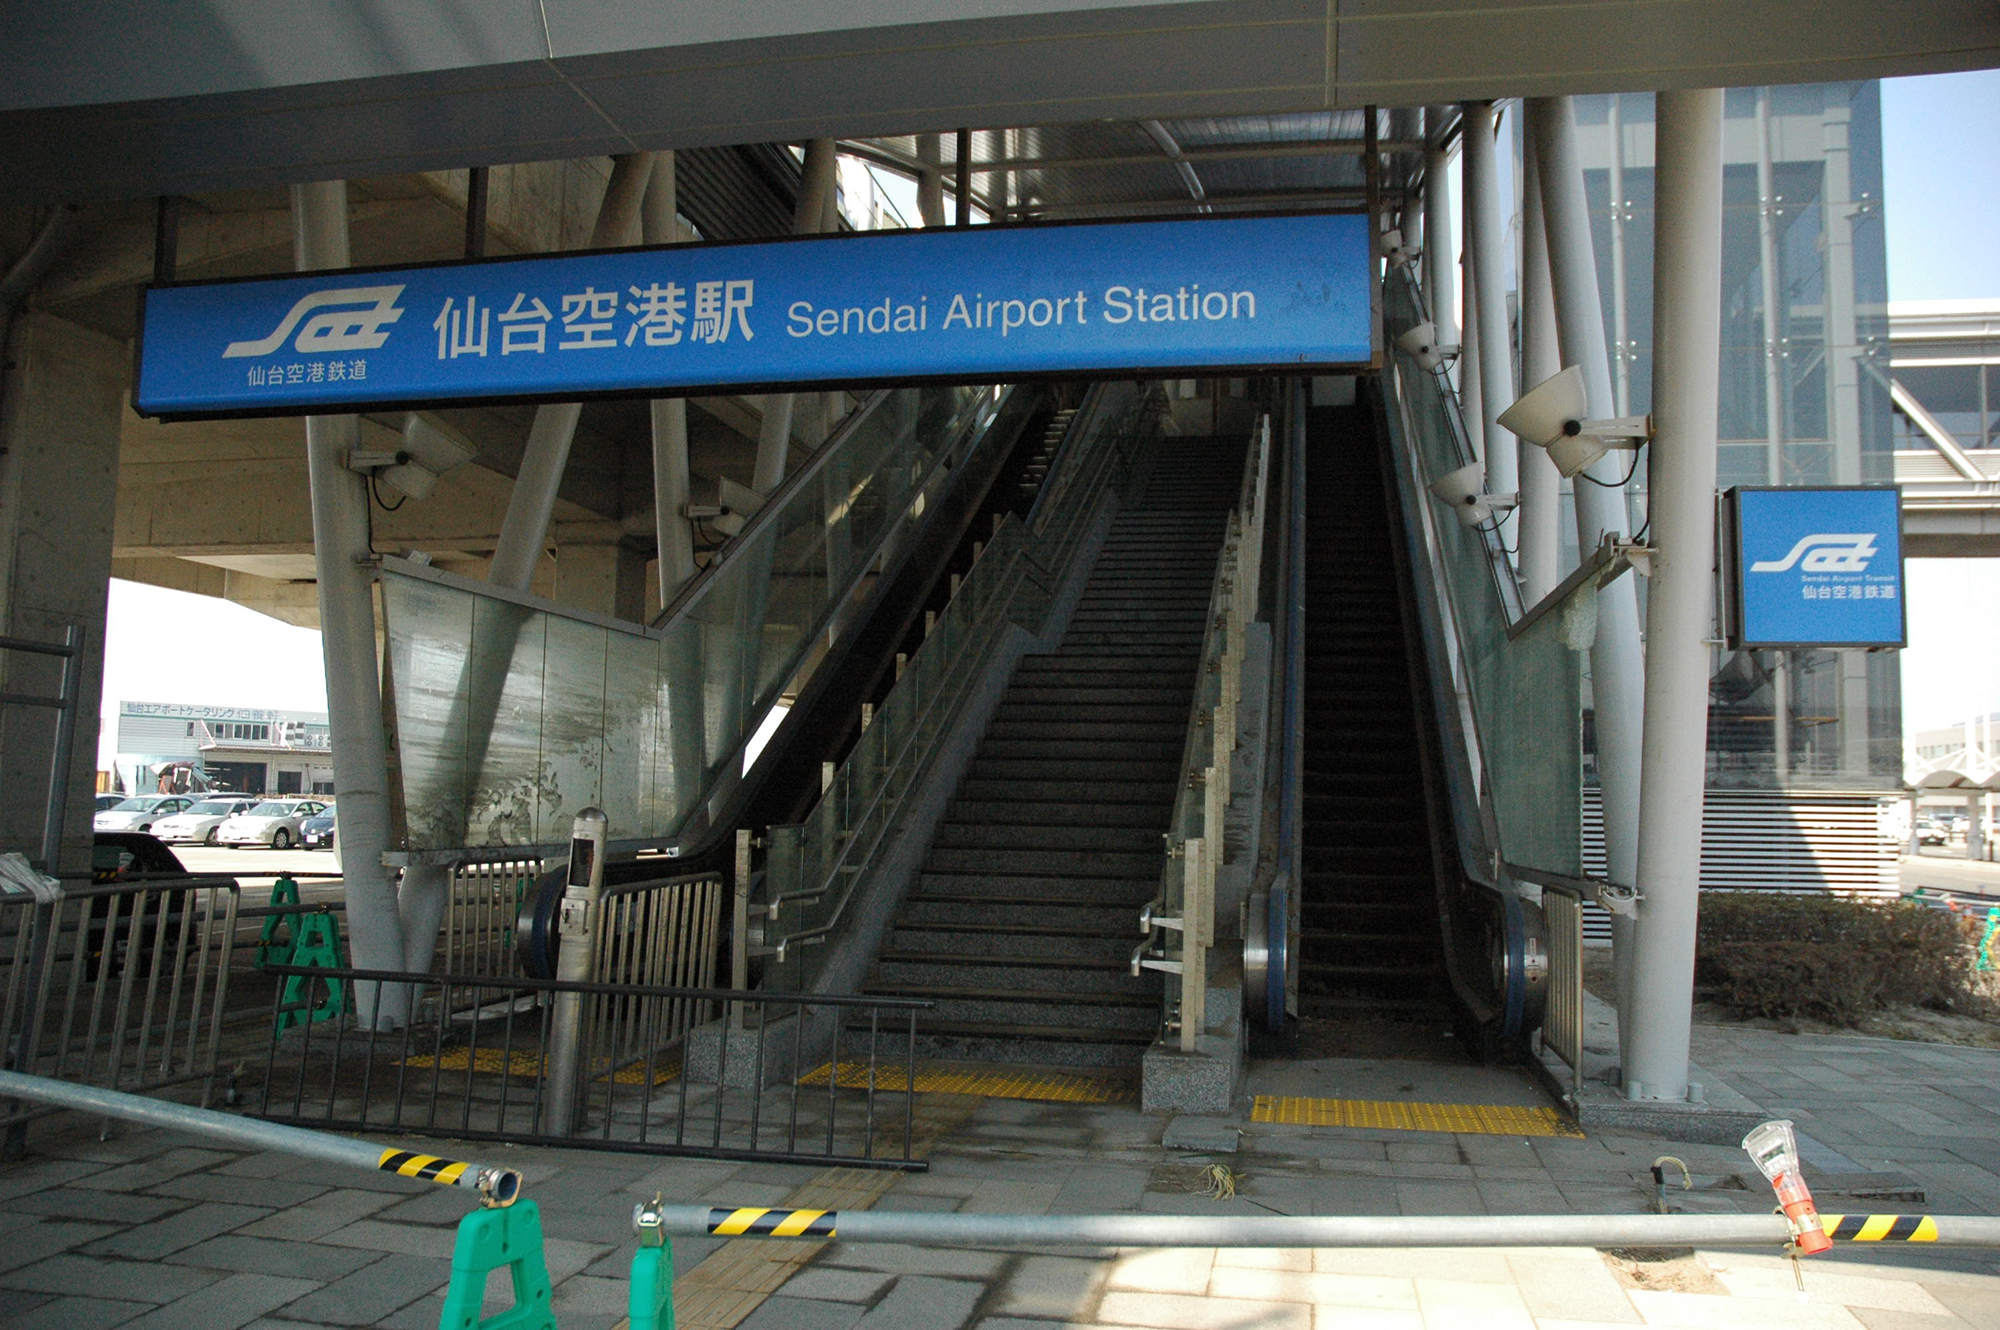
column 1942, row 187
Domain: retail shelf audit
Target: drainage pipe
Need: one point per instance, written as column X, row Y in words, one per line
column 500, row 1186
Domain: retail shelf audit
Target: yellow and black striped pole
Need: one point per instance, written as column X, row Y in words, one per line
column 751, row 1222
column 1880, row 1228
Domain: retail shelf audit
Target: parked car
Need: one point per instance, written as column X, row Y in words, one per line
column 1931, row 832
column 116, row 855
column 140, row 812
column 275, row 823
column 108, row 801
column 316, row 832
column 199, row 823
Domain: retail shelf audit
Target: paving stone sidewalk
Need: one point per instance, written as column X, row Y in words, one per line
column 152, row 1231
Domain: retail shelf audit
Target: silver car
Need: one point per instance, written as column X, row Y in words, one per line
column 201, row 822
column 140, row 812
column 275, row 823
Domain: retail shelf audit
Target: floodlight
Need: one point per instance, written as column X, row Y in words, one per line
column 1460, row 491
column 1551, row 415
column 1421, row 345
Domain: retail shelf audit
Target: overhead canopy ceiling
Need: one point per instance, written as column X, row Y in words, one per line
column 127, row 98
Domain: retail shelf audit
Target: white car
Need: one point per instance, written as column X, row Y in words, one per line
column 140, row 812
column 201, row 822
column 275, row 823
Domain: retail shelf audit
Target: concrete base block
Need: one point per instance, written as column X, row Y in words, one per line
column 718, row 1053
column 1203, row 1081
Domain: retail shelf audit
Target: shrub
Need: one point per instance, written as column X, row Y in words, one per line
column 1830, row 958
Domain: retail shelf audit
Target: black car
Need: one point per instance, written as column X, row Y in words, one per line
column 316, row 832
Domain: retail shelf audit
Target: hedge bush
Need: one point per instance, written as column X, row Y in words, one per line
column 1831, row 958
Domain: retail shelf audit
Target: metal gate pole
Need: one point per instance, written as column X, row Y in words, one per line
column 1156, row 1230
column 500, row 1186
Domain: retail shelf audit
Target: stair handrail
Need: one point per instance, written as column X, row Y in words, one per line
column 1012, row 581
column 1195, row 836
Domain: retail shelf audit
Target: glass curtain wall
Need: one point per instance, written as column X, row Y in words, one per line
column 1804, row 317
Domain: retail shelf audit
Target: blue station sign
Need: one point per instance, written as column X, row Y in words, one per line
column 972, row 305
column 1815, row 567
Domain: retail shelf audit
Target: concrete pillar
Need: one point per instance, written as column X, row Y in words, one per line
column 1541, row 357
column 774, row 436
column 1617, row 665
column 1485, row 233
column 62, row 401
column 347, row 640
column 1687, row 325
column 1975, row 825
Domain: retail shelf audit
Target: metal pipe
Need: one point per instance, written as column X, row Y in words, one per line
column 1774, row 404
column 1617, row 666
column 1336, row 1231
column 1687, row 325
column 1485, row 231
column 341, row 540
column 501, row 1185
column 1541, row 358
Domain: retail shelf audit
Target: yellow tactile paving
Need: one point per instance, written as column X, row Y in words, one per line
column 1394, row 1115
column 528, row 1064
column 1050, row 1087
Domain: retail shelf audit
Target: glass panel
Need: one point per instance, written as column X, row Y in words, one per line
column 1526, row 694
column 512, row 719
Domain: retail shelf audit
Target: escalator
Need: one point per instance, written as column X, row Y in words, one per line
column 1371, row 966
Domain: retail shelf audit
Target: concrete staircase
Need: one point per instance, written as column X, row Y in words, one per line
column 1022, row 923
column 1368, row 908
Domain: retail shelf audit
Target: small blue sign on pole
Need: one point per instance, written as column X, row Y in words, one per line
column 1814, row 567
column 985, row 304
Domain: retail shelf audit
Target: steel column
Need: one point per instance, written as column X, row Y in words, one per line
column 660, row 225
column 341, row 542
column 1439, row 256
column 1541, row 484
column 1687, row 324
column 524, row 532
column 1485, row 232
column 774, row 435
column 1617, row 665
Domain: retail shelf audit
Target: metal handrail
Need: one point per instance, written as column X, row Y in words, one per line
column 1186, row 900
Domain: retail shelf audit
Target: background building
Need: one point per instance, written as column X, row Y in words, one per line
column 246, row 749
column 1805, row 748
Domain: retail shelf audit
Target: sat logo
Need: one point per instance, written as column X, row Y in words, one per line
column 361, row 326
column 1825, row 553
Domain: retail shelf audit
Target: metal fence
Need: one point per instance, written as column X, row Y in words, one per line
column 120, row 985
column 654, row 935
column 823, row 1080
column 1562, row 1025
column 479, row 921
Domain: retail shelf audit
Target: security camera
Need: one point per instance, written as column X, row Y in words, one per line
column 1421, row 345
column 1551, row 415
column 429, row 449
column 1394, row 250
column 1460, row 491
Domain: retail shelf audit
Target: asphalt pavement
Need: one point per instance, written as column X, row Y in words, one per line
column 1947, row 871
